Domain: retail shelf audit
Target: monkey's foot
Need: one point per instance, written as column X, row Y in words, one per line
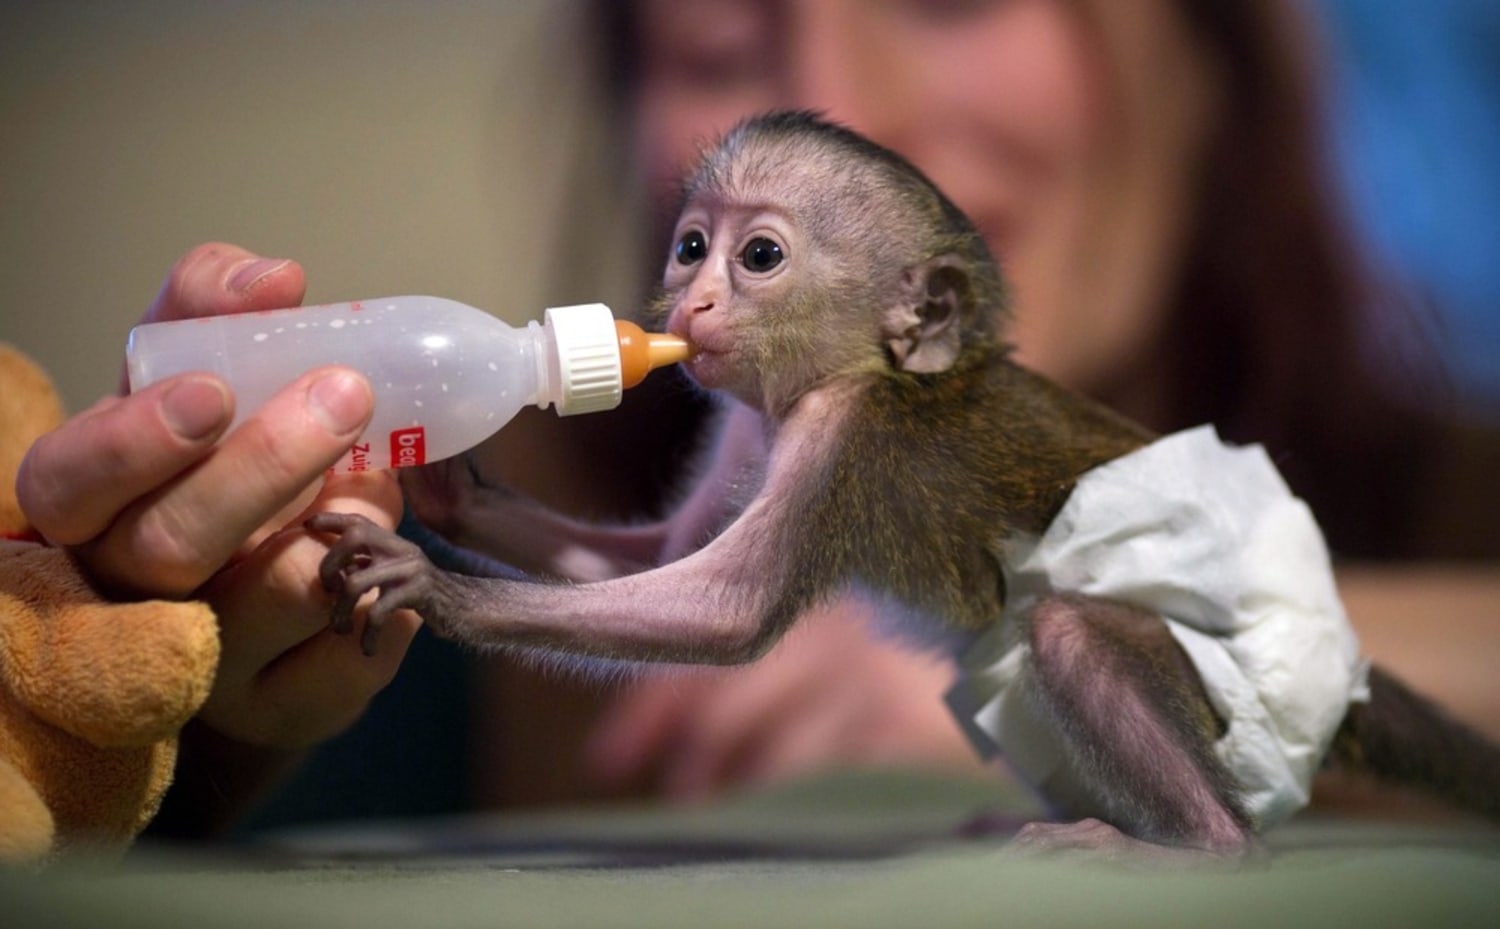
column 1098, row 840
column 366, row 557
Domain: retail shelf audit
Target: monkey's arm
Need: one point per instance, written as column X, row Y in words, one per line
column 710, row 607
column 724, row 603
column 516, row 530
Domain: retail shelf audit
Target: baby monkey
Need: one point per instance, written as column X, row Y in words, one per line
column 851, row 316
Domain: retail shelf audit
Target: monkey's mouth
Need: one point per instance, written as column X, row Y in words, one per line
column 704, row 344
column 708, row 366
column 709, row 347
column 700, row 349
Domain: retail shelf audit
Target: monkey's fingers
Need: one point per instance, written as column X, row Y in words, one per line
column 403, row 585
column 352, row 565
column 338, row 524
column 351, row 587
column 340, row 557
column 412, row 594
column 341, row 618
column 360, row 542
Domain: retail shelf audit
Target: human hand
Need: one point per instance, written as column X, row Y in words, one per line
column 153, row 504
column 830, row 694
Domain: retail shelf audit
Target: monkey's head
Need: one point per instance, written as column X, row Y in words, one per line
column 806, row 252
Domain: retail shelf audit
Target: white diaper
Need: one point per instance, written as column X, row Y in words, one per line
column 1208, row 536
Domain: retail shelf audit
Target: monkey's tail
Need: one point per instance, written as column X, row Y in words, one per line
column 1401, row 737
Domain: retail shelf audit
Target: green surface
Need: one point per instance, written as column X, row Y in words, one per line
column 857, row 850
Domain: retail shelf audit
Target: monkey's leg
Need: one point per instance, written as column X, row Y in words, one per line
column 1136, row 723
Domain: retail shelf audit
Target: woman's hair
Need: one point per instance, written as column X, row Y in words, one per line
column 1280, row 332
column 1276, row 328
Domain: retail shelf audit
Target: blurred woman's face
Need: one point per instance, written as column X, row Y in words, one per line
column 1001, row 102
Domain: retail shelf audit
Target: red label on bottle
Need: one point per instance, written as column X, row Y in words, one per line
column 408, row 447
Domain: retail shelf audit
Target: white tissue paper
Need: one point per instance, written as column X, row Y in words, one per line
column 1208, row 536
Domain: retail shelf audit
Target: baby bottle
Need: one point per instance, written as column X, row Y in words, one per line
column 445, row 375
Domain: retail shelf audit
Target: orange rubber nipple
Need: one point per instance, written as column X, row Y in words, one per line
column 642, row 352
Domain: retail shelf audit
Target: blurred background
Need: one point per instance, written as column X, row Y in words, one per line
column 474, row 150
column 363, row 138
column 1416, row 122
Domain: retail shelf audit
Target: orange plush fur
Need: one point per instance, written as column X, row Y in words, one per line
column 92, row 692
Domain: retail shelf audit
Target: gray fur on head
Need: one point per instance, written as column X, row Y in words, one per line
column 912, row 217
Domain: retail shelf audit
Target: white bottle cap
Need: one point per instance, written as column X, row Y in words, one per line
column 588, row 358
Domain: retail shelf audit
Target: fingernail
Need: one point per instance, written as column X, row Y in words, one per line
column 246, row 275
column 340, row 400
column 195, row 409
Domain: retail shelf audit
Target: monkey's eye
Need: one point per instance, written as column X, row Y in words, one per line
column 692, row 248
column 761, row 255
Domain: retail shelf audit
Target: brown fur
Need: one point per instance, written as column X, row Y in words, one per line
column 1403, row 738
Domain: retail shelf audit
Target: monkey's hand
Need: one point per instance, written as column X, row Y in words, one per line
column 366, row 557
column 445, row 494
column 511, row 528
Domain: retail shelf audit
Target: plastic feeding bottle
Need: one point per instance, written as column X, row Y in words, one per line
column 445, row 375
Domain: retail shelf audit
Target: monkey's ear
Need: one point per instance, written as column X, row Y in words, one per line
column 922, row 326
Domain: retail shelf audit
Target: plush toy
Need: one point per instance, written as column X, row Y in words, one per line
column 92, row 692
